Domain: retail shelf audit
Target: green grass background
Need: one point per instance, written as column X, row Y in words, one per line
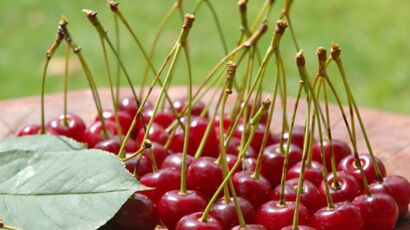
column 374, row 36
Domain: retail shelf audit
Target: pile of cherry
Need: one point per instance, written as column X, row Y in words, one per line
column 257, row 189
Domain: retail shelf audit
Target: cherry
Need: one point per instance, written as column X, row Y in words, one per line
column 249, row 227
column 258, row 138
column 235, row 144
column 257, row 191
column 137, row 213
column 94, row 134
column 231, row 160
column 162, row 181
column 251, row 103
column 300, row 227
column 28, row 130
column 341, row 150
column 197, row 129
column 298, row 136
column 398, row 188
column 197, row 108
column 164, row 119
column 348, row 165
column 347, row 190
column 194, row 222
column 225, row 212
column 129, row 105
column 227, row 122
column 275, row 216
column 313, row 173
column 273, row 159
column 175, row 161
column 124, row 119
column 160, row 153
column 140, row 166
column 204, row 175
column 156, row 134
column 74, row 128
column 249, row 164
column 310, row 196
column 174, row 205
column 343, row 216
column 113, row 145
column 379, row 211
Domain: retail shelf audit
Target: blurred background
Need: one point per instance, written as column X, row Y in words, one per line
column 374, row 36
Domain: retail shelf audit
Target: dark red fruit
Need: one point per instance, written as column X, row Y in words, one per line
column 273, row 159
column 164, row 119
column 180, row 103
column 300, row 227
column 310, row 196
column 227, row 122
column 249, row 164
column 348, row 188
column 234, row 146
column 275, row 216
column 113, row 145
column 258, row 138
column 94, row 134
column 137, row 213
column 138, row 165
column 249, row 227
column 379, row 211
column 341, row 150
column 124, row 119
column 225, row 212
column 256, row 191
column 313, row 173
column 231, row 160
column 162, row 181
column 28, row 130
column 298, row 136
column 398, row 188
column 204, row 175
column 344, row 216
column 160, row 153
column 174, row 205
column 348, row 165
column 129, row 105
column 193, row 222
column 156, row 134
column 175, row 161
column 74, row 128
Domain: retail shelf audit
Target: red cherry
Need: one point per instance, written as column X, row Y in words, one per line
column 28, row 130
column 227, row 122
column 379, row 211
column 344, row 216
column 249, row 164
column 251, row 104
column 256, row 191
column 193, row 222
column 137, row 213
column 249, row 227
column 180, row 103
column 204, row 175
column 234, row 146
column 94, row 134
column 174, row 205
column 398, row 188
column 160, row 153
column 197, row 129
column 348, row 165
column 156, row 134
column 258, row 138
column 113, row 145
column 310, row 196
column 74, row 129
column 300, row 227
column 140, row 166
column 225, row 212
column 275, row 216
column 129, row 105
column 341, row 150
column 298, row 136
column 175, row 161
column 348, row 188
column 124, row 119
column 273, row 159
column 313, row 173
column 231, row 160
column 164, row 119
column 162, row 181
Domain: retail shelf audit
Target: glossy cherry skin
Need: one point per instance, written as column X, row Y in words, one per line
column 113, row 145
column 298, row 136
column 175, row 161
column 28, row 130
column 155, row 134
column 129, row 105
column 379, row 211
column 164, row 119
column 313, row 173
column 74, row 129
column 249, row 227
column 258, row 138
column 273, row 160
column 196, row 109
column 348, row 189
column 300, row 227
column 137, row 213
column 227, row 122
column 124, row 119
column 344, row 216
column 192, row 222
column 225, row 212
column 275, row 216
column 173, row 205
column 341, row 150
column 204, row 175
column 398, row 188
column 162, row 181
column 234, row 146
column 256, row 191
column 196, row 133
column 348, row 165
column 310, row 196
column 160, row 153
column 94, row 134
column 138, row 166
column 249, row 164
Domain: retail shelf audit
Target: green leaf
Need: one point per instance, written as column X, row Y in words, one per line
column 41, row 143
column 60, row 189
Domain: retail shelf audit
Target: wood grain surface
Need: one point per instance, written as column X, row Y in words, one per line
column 389, row 133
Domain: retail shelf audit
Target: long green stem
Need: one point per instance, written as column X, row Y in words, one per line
column 66, row 68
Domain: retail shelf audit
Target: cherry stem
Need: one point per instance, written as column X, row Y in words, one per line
column 265, row 9
column 285, row 13
column 218, row 25
column 66, row 69
column 148, row 146
column 118, row 48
